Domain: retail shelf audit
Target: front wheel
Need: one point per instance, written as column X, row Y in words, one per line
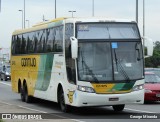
column 118, row 107
column 64, row 107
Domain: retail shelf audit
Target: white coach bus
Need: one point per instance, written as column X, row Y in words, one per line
column 79, row 62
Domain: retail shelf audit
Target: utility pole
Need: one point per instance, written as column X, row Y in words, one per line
column 93, row 8
column 24, row 13
column 55, row 9
column 0, row 5
column 43, row 18
column 143, row 25
column 137, row 11
column 28, row 22
column 22, row 17
column 143, row 18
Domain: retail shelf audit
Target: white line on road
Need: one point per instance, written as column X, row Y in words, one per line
column 139, row 110
column 36, row 109
column 5, row 83
column 40, row 111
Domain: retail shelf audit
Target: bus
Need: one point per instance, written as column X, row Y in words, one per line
column 79, row 62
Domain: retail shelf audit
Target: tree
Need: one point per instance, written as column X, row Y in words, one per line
column 154, row 61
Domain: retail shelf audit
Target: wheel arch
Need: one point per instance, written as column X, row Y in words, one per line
column 19, row 85
column 58, row 90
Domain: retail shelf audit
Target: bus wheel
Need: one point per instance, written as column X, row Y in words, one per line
column 28, row 98
column 22, row 94
column 64, row 107
column 118, row 107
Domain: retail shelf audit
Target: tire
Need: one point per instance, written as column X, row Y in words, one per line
column 5, row 78
column 28, row 99
column 65, row 108
column 118, row 107
column 22, row 94
column 2, row 77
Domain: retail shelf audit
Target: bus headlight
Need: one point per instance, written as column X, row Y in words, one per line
column 86, row 89
column 138, row 87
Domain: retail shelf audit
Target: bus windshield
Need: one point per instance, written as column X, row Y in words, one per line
column 109, row 60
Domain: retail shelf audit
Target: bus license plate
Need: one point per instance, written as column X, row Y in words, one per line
column 157, row 95
column 114, row 99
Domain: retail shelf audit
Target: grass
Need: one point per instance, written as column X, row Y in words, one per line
column 1, row 120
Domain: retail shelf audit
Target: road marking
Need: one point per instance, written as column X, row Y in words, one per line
column 5, row 83
column 36, row 109
column 139, row 110
column 40, row 111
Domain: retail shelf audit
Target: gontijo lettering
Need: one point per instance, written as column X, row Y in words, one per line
column 28, row 62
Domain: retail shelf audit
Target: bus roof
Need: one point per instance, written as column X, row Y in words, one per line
column 60, row 21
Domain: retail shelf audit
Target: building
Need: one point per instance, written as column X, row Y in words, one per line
column 4, row 55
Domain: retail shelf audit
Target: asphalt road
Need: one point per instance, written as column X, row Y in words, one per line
column 10, row 102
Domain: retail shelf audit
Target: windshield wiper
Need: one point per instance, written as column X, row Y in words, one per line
column 121, row 67
column 115, row 55
column 87, row 67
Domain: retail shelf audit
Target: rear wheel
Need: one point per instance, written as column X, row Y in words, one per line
column 118, row 107
column 24, row 94
column 64, row 107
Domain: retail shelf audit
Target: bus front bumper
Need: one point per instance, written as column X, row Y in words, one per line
column 92, row 99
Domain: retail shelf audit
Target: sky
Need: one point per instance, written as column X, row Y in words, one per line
column 11, row 18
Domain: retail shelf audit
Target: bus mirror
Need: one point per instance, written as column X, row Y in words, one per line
column 149, row 46
column 74, row 47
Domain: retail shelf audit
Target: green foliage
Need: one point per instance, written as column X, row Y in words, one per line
column 1, row 120
column 154, row 61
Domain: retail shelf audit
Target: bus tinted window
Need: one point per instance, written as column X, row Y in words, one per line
column 18, row 44
column 13, row 44
column 41, row 41
column 30, row 41
column 50, row 40
column 58, row 45
column 24, row 44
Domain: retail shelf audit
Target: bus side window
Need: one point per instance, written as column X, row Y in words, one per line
column 58, row 45
column 23, row 45
column 50, row 40
column 13, row 44
column 40, row 43
column 44, row 41
column 18, row 44
column 30, row 42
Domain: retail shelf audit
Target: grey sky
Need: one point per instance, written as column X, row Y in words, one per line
column 11, row 18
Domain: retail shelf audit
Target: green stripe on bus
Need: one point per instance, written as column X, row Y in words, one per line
column 44, row 72
column 128, row 86
column 118, row 86
column 122, row 86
